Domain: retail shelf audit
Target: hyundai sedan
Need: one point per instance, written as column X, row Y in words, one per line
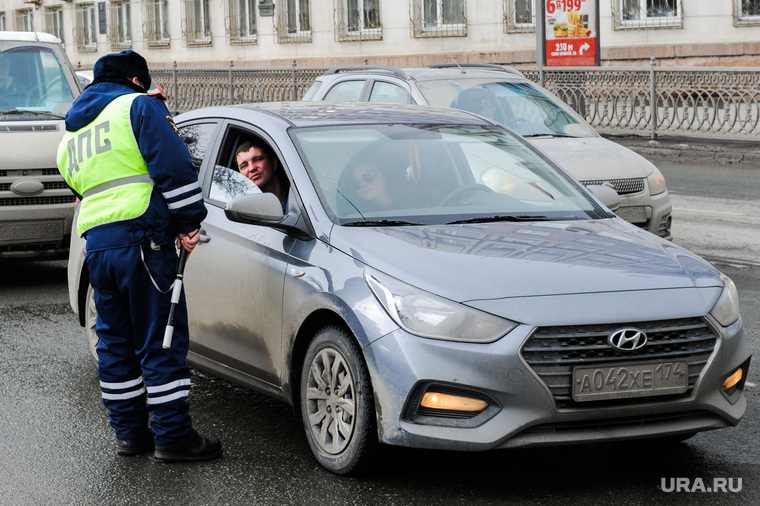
column 435, row 282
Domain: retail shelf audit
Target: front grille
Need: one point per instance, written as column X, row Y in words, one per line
column 630, row 422
column 52, row 185
column 621, row 186
column 553, row 352
column 37, row 201
column 29, row 128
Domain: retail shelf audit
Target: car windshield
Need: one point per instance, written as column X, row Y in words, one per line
column 521, row 106
column 435, row 174
column 32, row 81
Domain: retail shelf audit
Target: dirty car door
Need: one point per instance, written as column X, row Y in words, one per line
column 234, row 285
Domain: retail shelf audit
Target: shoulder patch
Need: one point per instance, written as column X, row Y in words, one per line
column 171, row 123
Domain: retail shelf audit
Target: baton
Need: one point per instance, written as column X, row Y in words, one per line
column 176, row 292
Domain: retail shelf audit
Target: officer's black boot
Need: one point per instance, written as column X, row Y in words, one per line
column 193, row 447
column 140, row 444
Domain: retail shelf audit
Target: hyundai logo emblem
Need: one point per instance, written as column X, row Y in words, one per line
column 628, row 339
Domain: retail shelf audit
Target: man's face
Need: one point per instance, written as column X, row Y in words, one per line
column 254, row 165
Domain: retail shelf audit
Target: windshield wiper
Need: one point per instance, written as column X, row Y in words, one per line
column 491, row 219
column 547, row 135
column 30, row 111
column 379, row 223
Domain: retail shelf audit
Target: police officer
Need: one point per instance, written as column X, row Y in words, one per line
column 123, row 157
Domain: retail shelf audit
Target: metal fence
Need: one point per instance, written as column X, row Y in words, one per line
column 706, row 102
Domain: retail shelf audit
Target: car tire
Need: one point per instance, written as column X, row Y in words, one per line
column 90, row 317
column 336, row 402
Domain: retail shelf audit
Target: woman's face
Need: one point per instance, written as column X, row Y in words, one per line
column 368, row 182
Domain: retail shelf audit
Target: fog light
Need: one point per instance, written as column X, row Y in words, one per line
column 435, row 400
column 733, row 380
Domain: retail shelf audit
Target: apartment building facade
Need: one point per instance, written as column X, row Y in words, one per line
column 276, row 33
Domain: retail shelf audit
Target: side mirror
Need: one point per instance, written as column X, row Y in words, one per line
column 606, row 195
column 257, row 209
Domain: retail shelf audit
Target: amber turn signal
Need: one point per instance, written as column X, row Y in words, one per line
column 734, row 379
column 435, row 400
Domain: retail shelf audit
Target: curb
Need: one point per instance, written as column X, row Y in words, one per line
column 692, row 149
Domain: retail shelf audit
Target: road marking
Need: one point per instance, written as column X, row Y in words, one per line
column 726, row 213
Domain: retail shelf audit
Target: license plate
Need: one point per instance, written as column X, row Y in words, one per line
column 31, row 231
column 632, row 214
column 629, row 380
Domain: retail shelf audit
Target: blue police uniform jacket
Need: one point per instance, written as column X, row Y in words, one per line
column 176, row 204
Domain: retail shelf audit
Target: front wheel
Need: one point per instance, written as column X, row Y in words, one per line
column 337, row 402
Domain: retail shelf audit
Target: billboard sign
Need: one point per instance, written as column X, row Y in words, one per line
column 571, row 32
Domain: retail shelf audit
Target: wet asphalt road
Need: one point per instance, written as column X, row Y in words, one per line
column 57, row 445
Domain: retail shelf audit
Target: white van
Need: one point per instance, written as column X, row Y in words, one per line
column 37, row 87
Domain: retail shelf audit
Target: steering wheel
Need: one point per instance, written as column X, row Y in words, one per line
column 56, row 81
column 33, row 97
column 463, row 190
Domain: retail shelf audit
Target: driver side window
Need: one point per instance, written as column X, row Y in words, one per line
column 247, row 164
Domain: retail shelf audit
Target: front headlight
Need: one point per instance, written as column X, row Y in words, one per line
column 656, row 182
column 426, row 315
column 726, row 310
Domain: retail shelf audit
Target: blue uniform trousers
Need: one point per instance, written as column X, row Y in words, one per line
column 137, row 376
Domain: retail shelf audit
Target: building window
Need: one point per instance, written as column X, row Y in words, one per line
column 357, row 20
column 156, row 24
column 85, row 28
column 24, row 22
column 54, row 21
column 241, row 22
column 746, row 12
column 120, row 25
column 294, row 21
column 3, row 26
column 644, row 14
column 439, row 18
column 519, row 16
column 196, row 24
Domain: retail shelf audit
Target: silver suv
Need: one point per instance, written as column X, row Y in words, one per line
column 37, row 87
column 507, row 96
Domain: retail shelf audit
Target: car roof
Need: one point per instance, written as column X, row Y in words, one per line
column 303, row 114
column 29, row 37
column 436, row 72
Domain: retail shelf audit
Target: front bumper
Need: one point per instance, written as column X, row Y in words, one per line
column 522, row 410
column 650, row 212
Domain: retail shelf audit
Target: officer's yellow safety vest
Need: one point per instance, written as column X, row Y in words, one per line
column 102, row 163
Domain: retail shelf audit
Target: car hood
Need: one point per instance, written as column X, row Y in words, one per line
column 593, row 158
column 30, row 144
column 480, row 264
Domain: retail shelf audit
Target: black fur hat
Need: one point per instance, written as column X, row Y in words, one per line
column 127, row 64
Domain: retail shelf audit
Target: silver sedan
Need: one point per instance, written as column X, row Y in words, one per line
column 435, row 282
